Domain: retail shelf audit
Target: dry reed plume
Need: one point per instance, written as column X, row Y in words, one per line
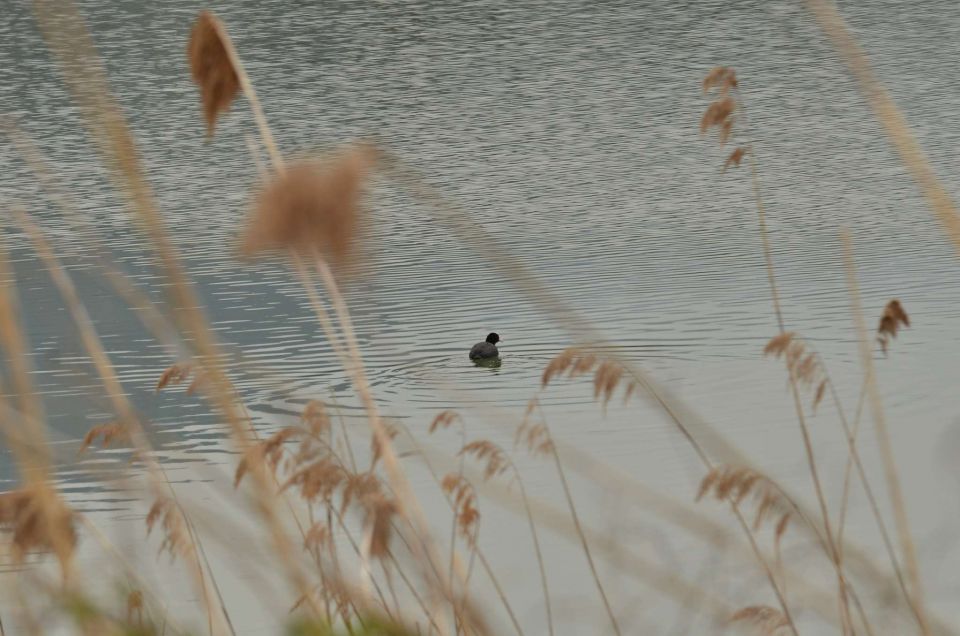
column 39, row 521
column 174, row 374
column 729, row 483
column 803, row 364
column 211, row 68
column 765, row 620
column 720, row 112
column 465, row 499
column 313, row 204
column 723, row 78
column 176, row 535
column 891, row 320
column 495, row 461
column 444, row 419
column 534, row 434
column 734, row 158
column 108, row 434
column 608, row 374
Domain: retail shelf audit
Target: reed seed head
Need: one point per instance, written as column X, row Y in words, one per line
column 176, row 539
column 174, row 375
column 444, row 419
column 892, row 318
column 363, row 489
column 211, row 68
column 108, row 434
column 317, row 537
column 315, row 417
column 536, row 437
column 39, row 520
column 766, row 620
column 723, row 78
column 496, row 460
column 734, row 484
column 464, row 501
column 318, row 481
column 379, row 523
column 608, row 374
column 313, row 205
column 735, row 158
column 803, row 364
column 719, row 114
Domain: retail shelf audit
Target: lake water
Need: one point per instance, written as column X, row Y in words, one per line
column 569, row 132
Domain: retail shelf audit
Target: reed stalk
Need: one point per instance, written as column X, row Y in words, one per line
column 125, row 411
column 576, row 524
column 69, row 41
column 901, row 518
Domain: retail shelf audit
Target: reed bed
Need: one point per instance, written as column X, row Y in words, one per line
column 338, row 531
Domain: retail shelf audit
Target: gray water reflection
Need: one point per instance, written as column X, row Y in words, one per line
column 569, row 132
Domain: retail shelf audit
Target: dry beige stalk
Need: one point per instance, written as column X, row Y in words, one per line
column 901, row 518
column 894, row 123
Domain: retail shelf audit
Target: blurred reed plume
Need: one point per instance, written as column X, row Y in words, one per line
column 495, row 461
column 444, row 419
column 211, row 68
column 465, row 500
column 734, row 158
column 39, row 521
column 535, row 435
column 176, row 535
column 313, row 204
column 608, row 374
column 174, row 374
column 736, row 484
column 891, row 320
column 764, row 620
column 108, row 434
column 804, row 364
column 723, row 78
column 719, row 114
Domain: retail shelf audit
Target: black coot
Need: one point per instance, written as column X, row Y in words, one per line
column 486, row 350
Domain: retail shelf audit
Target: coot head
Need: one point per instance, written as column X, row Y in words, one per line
column 493, row 338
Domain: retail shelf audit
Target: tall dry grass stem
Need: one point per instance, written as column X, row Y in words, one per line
column 408, row 505
column 833, row 551
column 40, row 517
column 130, row 423
column 585, row 545
column 885, row 110
column 68, row 39
column 497, row 462
column 421, row 452
column 884, row 442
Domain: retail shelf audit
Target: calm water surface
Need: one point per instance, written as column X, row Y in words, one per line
column 568, row 131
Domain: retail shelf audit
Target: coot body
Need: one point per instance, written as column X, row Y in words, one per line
column 486, row 350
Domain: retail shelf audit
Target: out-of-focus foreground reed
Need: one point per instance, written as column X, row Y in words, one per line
column 348, row 534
